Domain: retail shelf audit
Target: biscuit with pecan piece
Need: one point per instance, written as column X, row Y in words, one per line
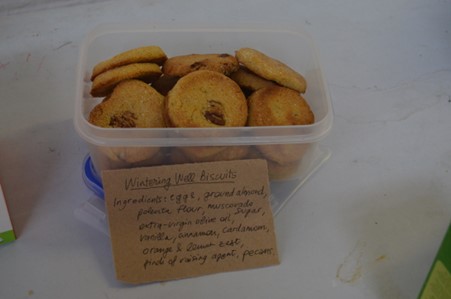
column 205, row 99
column 132, row 104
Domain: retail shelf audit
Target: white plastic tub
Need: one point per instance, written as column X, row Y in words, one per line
column 110, row 148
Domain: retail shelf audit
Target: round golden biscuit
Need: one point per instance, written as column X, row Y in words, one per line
column 206, row 99
column 132, row 104
column 284, row 154
column 180, row 66
column 176, row 156
column 250, row 81
column 214, row 153
column 232, row 153
column 130, row 156
column 153, row 54
column 104, row 83
column 200, row 153
column 278, row 106
column 277, row 171
column 271, row 69
column 126, row 157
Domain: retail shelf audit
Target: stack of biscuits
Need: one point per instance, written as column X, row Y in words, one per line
column 143, row 88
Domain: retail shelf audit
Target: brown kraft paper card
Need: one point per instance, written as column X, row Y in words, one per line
column 179, row 221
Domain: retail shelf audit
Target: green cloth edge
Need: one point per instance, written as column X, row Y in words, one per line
column 7, row 236
column 443, row 255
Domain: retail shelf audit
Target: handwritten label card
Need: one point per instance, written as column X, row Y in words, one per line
column 171, row 222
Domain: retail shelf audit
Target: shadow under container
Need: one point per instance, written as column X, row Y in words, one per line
column 293, row 153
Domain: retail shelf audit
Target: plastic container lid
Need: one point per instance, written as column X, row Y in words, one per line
column 91, row 178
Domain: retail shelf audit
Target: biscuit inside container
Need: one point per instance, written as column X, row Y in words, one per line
column 134, row 147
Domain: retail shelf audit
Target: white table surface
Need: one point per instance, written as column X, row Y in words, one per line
column 366, row 225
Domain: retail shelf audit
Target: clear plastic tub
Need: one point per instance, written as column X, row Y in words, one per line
column 134, row 147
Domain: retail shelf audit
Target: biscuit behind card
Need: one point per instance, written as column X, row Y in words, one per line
column 6, row 229
column 172, row 222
